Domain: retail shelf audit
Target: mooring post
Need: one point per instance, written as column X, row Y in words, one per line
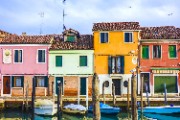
column 27, row 88
column 103, row 93
column 53, row 92
column 59, row 101
column 114, row 96
column 142, row 83
column 33, row 96
column 23, row 104
column 128, row 95
column 134, row 97
column 165, row 94
column 95, row 98
column 147, row 96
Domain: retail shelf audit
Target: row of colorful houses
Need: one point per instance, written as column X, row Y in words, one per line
column 112, row 52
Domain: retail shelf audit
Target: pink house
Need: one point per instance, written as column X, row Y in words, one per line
column 22, row 58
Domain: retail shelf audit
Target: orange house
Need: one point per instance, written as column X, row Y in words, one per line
column 115, row 54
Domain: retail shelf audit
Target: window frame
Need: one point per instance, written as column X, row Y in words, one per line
column 153, row 52
column 107, row 37
column 61, row 60
column 125, row 37
column 169, row 52
column 39, row 85
column 14, row 81
column 37, row 59
column 18, row 54
column 148, row 52
column 86, row 60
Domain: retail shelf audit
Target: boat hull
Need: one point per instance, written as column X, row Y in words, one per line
column 44, row 110
column 162, row 110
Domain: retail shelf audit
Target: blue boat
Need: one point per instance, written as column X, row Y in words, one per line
column 162, row 109
column 160, row 116
column 106, row 109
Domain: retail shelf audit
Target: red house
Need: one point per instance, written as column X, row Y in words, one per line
column 160, row 59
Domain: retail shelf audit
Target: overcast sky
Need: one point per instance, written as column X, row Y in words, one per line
column 46, row 16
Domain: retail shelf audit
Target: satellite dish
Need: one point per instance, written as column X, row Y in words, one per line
column 134, row 60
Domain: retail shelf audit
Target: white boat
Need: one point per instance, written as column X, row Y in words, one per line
column 74, row 109
column 45, row 107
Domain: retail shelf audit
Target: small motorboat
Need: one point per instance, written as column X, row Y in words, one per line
column 161, row 109
column 45, row 107
column 74, row 109
column 106, row 109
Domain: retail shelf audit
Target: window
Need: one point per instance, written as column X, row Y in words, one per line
column 145, row 52
column 116, row 64
column 17, row 81
column 156, row 51
column 104, row 37
column 42, row 81
column 18, row 56
column 172, row 51
column 58, row 61
column 128, row 37
column 71, row 38
column 41, row 56
column 83, row 60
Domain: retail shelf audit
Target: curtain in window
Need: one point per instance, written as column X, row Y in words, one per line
column 157, row 51
column 128, row 37
column 104, row 37
column 40, row 81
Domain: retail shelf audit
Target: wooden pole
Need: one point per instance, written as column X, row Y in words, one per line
column 23, row 104
column 114, row 96
column 128, row 95
column 103, row 93
column 142, row 83
column 53, row 92
column 33, row 96
column 59, row 105
column 78, row 99
column 134, row 97
column 95, row 98
column 27, row 88
column 87, row 95
column 165, row 94
column 147, row 96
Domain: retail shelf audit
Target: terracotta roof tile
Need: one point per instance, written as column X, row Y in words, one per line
column 116, row 26
column 26, row 39
column 84, row 42
column 163, row 32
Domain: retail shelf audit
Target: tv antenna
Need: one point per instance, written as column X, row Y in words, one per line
column 41, row 14
column 64, row 27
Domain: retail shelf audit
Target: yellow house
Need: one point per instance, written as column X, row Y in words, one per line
column 115, row 54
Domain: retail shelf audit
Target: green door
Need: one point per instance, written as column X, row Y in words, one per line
column 83, row 86
column 61, row 80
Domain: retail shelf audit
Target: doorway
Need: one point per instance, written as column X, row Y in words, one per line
column 83, row 86
column 117, row 84
column 56, row 83
column 6, row 84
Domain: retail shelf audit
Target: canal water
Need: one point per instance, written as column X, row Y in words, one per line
column 16, row 114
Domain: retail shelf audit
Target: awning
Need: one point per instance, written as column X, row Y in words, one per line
column 165, row 70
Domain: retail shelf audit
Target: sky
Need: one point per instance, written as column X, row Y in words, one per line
column 46, row 16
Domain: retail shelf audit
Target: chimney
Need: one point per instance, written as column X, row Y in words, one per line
column 23, row 33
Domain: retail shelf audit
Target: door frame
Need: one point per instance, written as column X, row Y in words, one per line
column 79, row 85
column 120, row 81
column 56, row 86
column 150, row 90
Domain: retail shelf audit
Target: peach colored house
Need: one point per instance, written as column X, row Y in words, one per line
column 160, row 59
column 22, row 58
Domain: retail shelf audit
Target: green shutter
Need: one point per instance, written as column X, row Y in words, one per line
column 58, row 61
column 12, row 81
column 71, row 38
column 172, row 51
column 122, row 64
column 16, row 56
column 22, row 81
column 83, row 60
column 145, row 52
column 109, row 64
column 46, row 81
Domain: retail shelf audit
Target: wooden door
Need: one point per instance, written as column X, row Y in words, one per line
column 117, row 84
column 6, row 85
column 83, row 86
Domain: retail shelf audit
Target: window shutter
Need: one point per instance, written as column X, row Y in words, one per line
column 102, row 37
column 58, row 61
column 16, row 56
column 43, row 56
column 39, row 55
column 12, row 81
column 46, row 81
column 126, row 37
column 22, row 81
column 109, row 64
column 172, row 51
column 145, row 52
column 83, row 60
column 122, row 64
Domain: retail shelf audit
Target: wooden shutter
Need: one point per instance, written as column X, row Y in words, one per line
column 102, row 37
column 22, row 81
column 126, row 37
column 46, row 81
column 122, row 64
column 145, row 52
column 16, row 56
column 172, row 51
column 12, row 81
column 83, row 60
column 109, row 64
column 58, row 61
column 39, row 55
